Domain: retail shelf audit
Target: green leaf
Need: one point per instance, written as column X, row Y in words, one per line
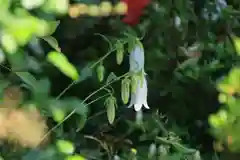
column 187, row 63
column 86, row 72
column 58, row 114
column 3, row 84
column 18, row 61
column 46, row 154
column 52, row 42
column 75, row 157
column 236, row 41
column 41, row 92
column 111, row 77
column 82, row 122
column 66, row 147
column 182, row 149
column 61, row 62
column 9, row 43
column 28, row 78
column 53, row 26
column 76, row 104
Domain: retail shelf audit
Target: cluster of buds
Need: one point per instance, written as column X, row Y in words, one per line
column 105, row 8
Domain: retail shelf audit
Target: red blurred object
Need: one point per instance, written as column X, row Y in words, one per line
column 135, row 10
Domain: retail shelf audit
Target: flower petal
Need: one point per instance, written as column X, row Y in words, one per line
column 136, row 59
column 146, row 105
column 137, row 107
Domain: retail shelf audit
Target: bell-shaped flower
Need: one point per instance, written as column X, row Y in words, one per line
column 136, row 59
column 139, row 97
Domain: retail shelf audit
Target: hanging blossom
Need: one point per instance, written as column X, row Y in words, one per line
column 139, row 97
column 134, row 11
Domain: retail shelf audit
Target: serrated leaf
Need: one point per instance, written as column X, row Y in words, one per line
column 61, row 62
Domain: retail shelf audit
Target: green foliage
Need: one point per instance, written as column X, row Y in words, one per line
column 225, row 121
column 190, row 58
column 61, row 62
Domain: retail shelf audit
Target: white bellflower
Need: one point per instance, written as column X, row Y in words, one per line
column 139, row 97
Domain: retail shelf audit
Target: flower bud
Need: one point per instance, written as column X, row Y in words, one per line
column 100, row 72
column 110, row 104
column 125, row 90
column 119, row 53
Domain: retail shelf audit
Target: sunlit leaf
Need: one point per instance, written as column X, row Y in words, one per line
column 65, row 146
column 9, row 43
column 75, row 157
column 236, row 41
column 52, row 42
column 58, row 114
column 53, row 26
column 61, row 62
column 29, row 4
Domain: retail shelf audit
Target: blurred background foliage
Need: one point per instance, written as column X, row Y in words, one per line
column 62, row 63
